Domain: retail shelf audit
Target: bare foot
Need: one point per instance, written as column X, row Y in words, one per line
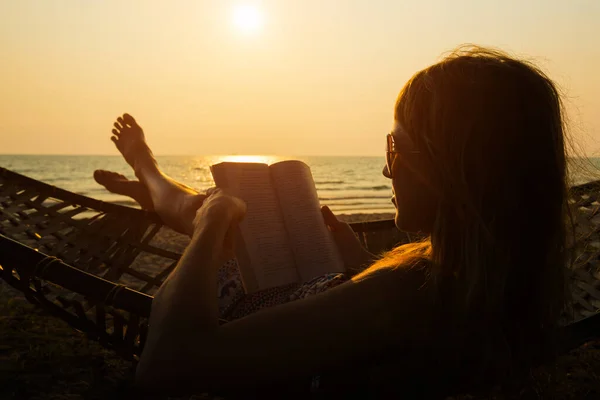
column 119, row 184
column 177, row 202
column 131, row 143
column 174, row 202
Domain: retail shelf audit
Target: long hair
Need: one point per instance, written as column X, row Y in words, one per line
column 491, row 128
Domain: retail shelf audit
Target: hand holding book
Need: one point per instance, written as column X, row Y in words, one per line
column 221, row 206
column 220, row 214
column 355, row 257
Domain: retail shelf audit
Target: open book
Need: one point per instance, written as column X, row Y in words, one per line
column 283, row 236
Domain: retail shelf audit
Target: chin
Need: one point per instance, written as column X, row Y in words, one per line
column 407, row 225
column 399, row 221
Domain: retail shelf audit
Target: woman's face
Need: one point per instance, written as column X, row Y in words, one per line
column 413, row 193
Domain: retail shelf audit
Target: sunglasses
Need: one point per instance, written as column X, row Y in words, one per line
column 392, row 150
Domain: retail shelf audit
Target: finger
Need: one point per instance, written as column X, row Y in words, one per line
column 329, row 217
column 230, row 235
column 211, row 190
column 229, row 241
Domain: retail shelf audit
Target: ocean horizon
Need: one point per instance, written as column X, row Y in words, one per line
column 347, row 184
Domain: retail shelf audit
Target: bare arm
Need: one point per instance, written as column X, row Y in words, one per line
column 187, row 347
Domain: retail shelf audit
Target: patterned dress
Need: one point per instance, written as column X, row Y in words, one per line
column 234, row 303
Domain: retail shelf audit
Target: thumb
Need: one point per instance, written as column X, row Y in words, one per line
column 211, row 190
column 329, row 217
column 229, row 240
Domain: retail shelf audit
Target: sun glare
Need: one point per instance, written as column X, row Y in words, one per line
column 247, row 18
column 249, row 159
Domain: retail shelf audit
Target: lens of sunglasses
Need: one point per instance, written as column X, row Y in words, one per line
column 390, row 155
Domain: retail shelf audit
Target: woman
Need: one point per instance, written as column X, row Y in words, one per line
column 476, row 138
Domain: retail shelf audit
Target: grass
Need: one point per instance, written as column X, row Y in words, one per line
column 41, row 357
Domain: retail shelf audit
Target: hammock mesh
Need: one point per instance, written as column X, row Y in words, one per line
column 125, row 255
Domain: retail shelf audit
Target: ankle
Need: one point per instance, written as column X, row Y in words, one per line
column 146, row 170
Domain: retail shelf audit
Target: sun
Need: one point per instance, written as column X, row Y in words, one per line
column 247, row 18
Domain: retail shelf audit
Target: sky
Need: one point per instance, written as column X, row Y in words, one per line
column 316, row 77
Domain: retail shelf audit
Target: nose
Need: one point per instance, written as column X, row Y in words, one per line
column 386, row 172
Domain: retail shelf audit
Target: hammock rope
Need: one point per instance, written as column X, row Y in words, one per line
column 97, row 265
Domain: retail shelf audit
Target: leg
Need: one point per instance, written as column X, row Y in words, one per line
column 174, row 202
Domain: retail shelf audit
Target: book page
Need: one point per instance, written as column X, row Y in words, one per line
column 314, row 249
column 264, row 254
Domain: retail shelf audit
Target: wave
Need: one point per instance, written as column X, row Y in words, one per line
column 328, row 182
column 22, row 171
column 98, row 189
column 362, row 204
column 51, row 179
column 375, row 188
column 354, row 198
column 361, row 210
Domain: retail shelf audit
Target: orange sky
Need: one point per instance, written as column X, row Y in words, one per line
column 318, row 78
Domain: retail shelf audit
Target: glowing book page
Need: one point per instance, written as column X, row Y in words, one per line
column 262, row 248
column 314, row 249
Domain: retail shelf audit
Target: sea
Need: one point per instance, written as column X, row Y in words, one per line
column 348, row 185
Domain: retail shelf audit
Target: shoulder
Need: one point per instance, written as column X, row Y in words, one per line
column 407, row 294
column 413, row 275
column 403, row 290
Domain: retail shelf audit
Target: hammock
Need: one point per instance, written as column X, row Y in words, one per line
column 96, row 265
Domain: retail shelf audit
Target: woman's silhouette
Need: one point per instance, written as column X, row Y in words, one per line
column 476, row 138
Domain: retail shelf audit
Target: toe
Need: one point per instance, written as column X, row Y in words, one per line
column 128, row 119
column 115, row 140
column 103, row 176
column 118, row 125
column 100, row 176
